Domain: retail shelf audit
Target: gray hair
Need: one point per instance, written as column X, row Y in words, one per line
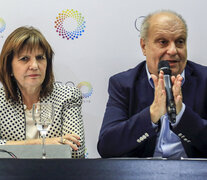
column 146, row 22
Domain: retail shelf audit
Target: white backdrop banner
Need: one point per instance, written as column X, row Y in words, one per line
column 94, row 39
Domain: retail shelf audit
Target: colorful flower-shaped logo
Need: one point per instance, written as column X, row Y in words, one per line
column 70, row 24
column 86, row 153
column 85, row 88
column 2, row 25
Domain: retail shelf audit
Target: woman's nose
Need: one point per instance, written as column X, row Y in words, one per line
column 33, row 65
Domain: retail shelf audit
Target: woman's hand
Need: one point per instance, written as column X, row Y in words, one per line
column 70, row 139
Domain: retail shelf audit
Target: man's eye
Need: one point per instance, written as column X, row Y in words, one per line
column 180, row 42
column 163, row 42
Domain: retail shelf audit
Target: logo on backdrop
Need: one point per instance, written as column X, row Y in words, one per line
column 86, row 153
column 70, row 24
column 85, row 88
column 2, row 27
column 138, row 23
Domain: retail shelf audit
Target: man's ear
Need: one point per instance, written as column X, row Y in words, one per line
column 143, row 46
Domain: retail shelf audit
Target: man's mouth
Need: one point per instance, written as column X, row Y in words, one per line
column 173, row 62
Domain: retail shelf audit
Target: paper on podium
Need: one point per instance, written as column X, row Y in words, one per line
column 35, row 151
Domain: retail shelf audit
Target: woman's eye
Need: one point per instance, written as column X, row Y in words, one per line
column 24, row 58
column 40, row 57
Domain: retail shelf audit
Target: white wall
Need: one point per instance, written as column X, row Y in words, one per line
column 110, row 43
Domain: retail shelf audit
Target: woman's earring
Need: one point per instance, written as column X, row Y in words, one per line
column 12, row 74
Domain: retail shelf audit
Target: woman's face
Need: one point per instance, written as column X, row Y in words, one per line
column 29, row 68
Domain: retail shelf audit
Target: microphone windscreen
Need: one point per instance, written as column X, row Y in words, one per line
column 164, row 66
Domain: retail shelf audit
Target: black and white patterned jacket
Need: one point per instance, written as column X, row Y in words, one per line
column 67, row 104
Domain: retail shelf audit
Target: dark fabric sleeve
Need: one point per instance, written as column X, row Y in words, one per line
column 121, row 134
column 192, row 130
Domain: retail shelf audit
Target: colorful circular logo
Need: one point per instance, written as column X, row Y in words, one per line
column 2, row 25
column 85, row 88
column 138, row 22
column 70, row 24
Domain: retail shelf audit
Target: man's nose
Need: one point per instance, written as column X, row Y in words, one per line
column 172, row 49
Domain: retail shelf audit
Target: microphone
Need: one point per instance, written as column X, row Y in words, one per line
column 170, row 104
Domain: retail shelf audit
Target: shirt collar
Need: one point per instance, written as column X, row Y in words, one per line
column 151, row 81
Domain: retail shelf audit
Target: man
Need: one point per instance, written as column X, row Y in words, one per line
column 136, row 123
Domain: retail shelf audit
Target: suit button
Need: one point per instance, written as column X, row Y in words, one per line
column 180, row 134
column 138, row 140
column 146, row 134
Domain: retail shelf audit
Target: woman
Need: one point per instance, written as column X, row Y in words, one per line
column 27, row 76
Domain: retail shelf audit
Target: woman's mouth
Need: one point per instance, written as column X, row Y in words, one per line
column 33, row 75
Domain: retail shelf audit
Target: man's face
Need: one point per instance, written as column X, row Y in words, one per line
column 166, row 40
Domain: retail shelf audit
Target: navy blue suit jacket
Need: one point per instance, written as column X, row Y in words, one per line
column 127, row 129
